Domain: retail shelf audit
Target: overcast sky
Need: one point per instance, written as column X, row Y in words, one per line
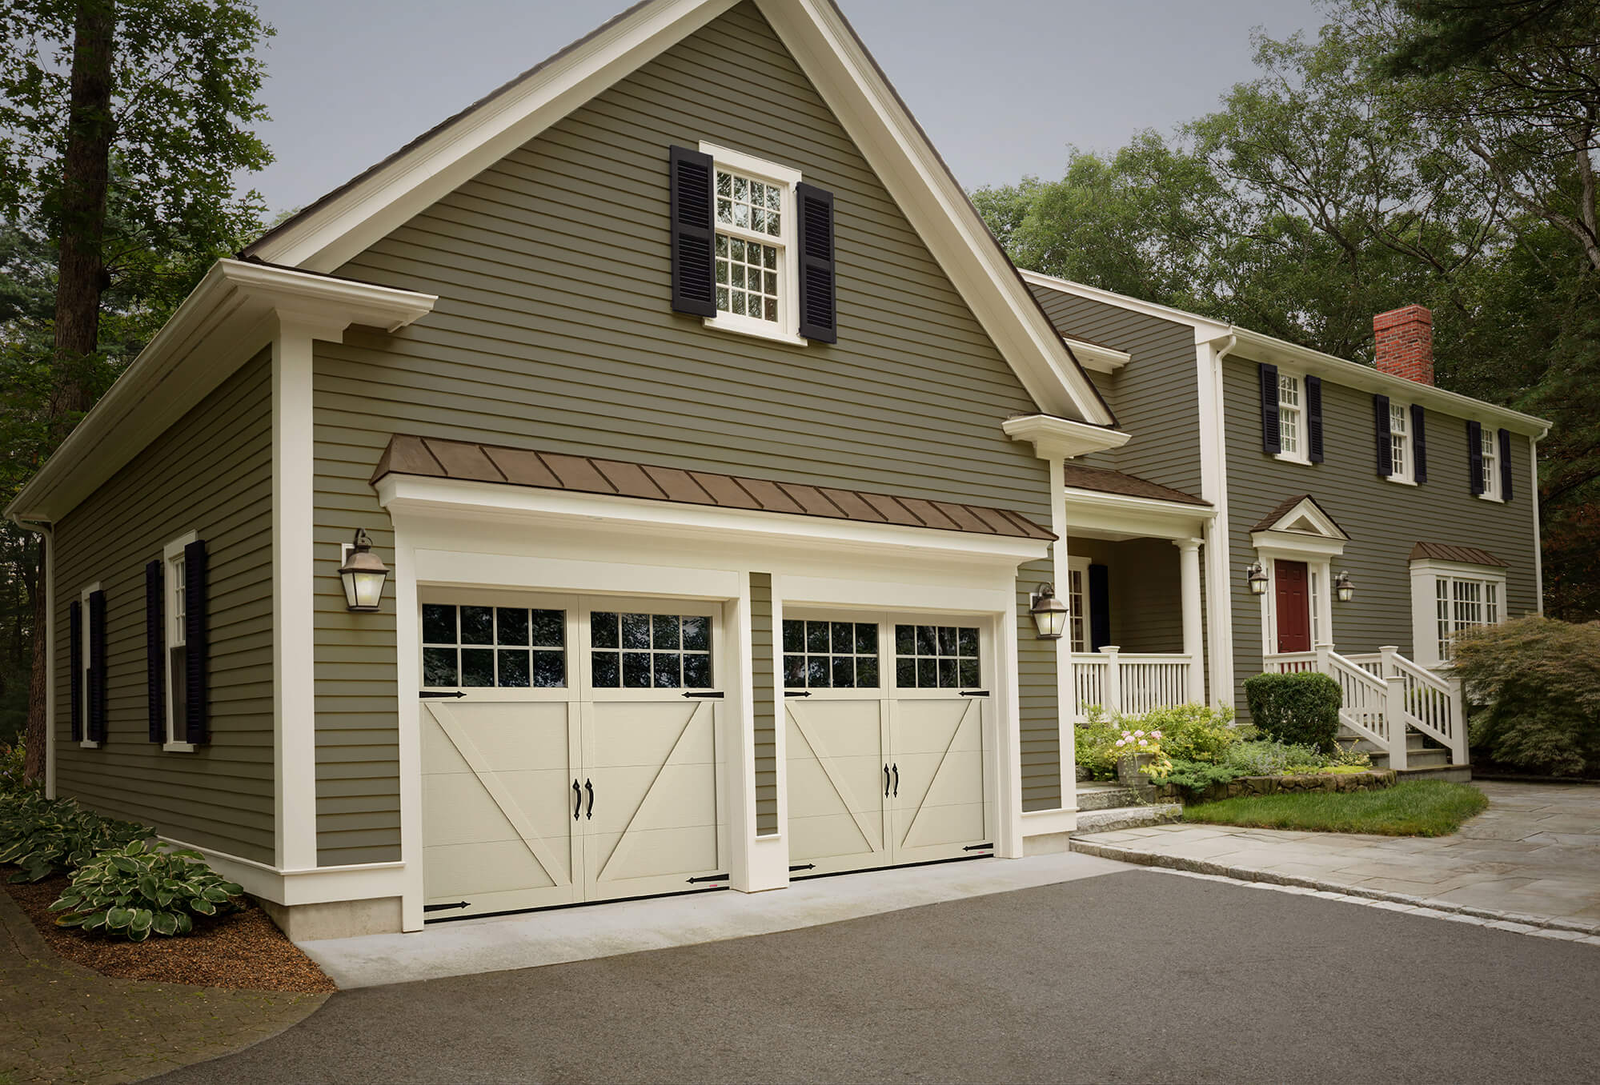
column 1003, row 87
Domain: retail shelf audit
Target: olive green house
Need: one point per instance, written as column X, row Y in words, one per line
column 714, row 459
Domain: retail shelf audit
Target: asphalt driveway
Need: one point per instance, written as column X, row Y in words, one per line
column 1134, row 976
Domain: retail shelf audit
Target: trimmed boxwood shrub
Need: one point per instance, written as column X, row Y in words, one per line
column 1300, row 709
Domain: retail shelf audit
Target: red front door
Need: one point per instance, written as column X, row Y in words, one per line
column 1294, row 606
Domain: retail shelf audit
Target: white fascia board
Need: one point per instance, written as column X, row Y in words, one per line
column 1062, row 438
column 830, row 53
column 374, row 204
column 1295, row 544
column 225, row 320
column 1095, row 357
column 1133, row 517
column 726, row 527
column 1307, row 508
column 1265, row 348
column 1205, row 329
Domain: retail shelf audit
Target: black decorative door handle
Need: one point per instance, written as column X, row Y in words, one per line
column 577, row 800
column 886, row 780
column 589, row 787
column 897, row 781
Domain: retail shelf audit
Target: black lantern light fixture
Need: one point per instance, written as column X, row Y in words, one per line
column 1345, row 587
column 1049, row 613
column 363, row 573
column 1257, row 576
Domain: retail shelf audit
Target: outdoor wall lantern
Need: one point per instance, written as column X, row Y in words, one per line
column 1049, row 613
column 1345, row 587
column 1257, row 576
column 363, row 573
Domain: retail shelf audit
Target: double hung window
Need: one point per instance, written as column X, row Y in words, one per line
column 1489, row 456
column 1291, row 416
column 1399, row 442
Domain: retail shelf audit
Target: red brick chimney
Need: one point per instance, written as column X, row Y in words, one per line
column 1405, row 343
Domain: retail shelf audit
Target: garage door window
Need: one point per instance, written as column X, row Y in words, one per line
column 836, row 655
column 935, row 656
column 650, row 651
column 507, row 647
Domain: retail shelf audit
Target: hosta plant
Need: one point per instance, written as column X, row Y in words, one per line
column 43, row 835
column 132, row 891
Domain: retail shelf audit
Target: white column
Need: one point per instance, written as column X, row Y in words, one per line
column 1193, row 630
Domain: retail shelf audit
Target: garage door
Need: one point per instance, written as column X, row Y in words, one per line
column 886, row 730
column 572, row 751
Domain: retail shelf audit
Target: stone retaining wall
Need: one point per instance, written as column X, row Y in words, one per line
column 1371, row 780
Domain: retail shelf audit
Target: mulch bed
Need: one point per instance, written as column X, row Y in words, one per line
column 243, row 949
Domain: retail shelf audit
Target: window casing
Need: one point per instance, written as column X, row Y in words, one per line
column 1400, row 442
column 755, row 250
column 1489, row 450
column 177, row 652
column 1292, row 440
column 85, row 673
column 1078, row 603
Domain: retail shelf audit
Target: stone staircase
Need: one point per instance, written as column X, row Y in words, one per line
column 1104, row 807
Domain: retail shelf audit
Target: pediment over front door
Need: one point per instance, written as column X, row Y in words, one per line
column 1299, row 525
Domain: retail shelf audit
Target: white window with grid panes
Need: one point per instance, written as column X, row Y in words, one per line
column 1292, row 441
column 177, row 606
column 1399, row 442
column 756, row 284
column 1448, row 598
column 1078, row 603
column 1463, row 603
column 1489, row 450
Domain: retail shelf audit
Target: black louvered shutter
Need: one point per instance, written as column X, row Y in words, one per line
column 155, row 636
column 1314, row 418
column 817, row 302
column 97, row 666
column 194, row 639
column 76, row 652
column 1505, row 464
column 1380, row 425
column 694, row 233
column 1099, row 607
column 1271, row 437
column 1475, row 456
column 1419, row 444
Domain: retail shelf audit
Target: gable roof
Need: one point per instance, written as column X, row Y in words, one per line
column 467, row 461
column 335, row 228
column 1286, row 508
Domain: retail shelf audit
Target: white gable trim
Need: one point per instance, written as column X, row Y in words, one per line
column 1307, row 518
column 832, row 57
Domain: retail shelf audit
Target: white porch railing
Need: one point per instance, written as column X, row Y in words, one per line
column 1129, row 682
column 1385, row 695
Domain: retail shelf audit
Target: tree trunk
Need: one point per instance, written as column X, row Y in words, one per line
column 33, row 765
column 81, row 205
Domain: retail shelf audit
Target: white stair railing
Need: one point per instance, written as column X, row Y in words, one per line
column 1364, row 703
column 1429, row 704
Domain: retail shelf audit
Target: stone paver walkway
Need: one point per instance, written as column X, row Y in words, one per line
column 1533, row 857
column 61, row 1022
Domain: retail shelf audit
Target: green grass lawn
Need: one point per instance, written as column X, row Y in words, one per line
column 1413, row 808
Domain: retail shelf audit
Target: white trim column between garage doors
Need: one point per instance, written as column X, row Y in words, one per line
column 573, row 749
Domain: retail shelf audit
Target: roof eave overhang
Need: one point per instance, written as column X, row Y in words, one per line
column 1062, row 438
column 1122, row 516
column 336, row 229
column 236, row 310
column 1266, row 348
column 1096, row 357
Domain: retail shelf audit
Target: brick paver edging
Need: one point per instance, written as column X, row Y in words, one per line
column 1269, row 877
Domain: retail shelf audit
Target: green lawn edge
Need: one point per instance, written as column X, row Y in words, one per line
column 1413, row 808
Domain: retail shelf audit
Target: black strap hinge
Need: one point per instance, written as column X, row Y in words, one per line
column 978, row 847
column 445, row 907
column 803, row 866
column 715, row 693
column 797, row 693
column 974, row 693
column 709, row 878
column 433, row 694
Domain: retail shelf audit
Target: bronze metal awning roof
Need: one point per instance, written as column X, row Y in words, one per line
column 1105, row 481
column 434, row 457
column 1466, row 555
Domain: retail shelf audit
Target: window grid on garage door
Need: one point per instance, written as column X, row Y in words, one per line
column 936, row 656
column 649, row 651
column 485, row 646
column 830, row 655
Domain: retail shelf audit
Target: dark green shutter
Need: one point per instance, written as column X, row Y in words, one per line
column 76, row 653
column 1099, row 607
column 1314, row 418
column 1271, row 437
column 1419, row 444
column 1475, row 456
column 97, row 666
column 1505, row 464
column 817, row 302
column 693, row 232
column 155, row 651
column 1380, row 425
column 194, row 639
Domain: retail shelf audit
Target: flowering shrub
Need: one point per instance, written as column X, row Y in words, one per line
column 1142, row 743
column 1097, row 752
column 1192, row 732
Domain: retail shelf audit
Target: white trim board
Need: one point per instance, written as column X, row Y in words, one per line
column 352, row 218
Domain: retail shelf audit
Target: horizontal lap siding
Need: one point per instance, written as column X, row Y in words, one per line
column 553, row 330
column 765, row 701
column 1155, row 396
column 210, row 473
column 1383, row 519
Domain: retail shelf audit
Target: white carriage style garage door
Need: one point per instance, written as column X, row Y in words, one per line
column 886, row 740
column 571, row 750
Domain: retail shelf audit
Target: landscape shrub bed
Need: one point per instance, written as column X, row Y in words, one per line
column 45, row 836
column 133, row 891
